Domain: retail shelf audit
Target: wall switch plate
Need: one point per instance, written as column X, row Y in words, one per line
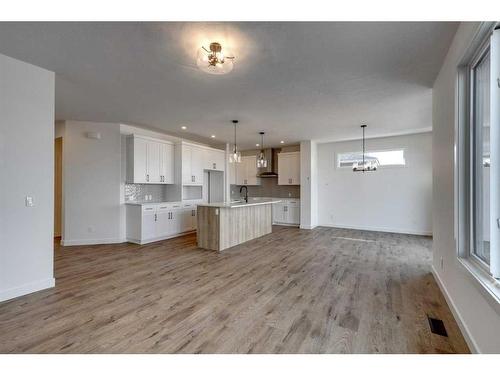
column 29, row 201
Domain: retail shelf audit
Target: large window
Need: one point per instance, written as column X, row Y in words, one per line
column 372, row 158
column 478, row 158
column 480, row 132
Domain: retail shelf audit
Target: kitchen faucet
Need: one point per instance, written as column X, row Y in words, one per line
column 246, row 192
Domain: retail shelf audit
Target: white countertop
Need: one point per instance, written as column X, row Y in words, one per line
column 146, row 203
column 236, row 204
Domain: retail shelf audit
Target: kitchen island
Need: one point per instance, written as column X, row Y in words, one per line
column 227, row 224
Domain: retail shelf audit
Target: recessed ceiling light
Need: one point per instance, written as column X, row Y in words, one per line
column 282, row 141
column 213, row 136
column 183, row 127
column 257, row 145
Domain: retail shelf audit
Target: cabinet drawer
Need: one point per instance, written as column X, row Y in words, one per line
column 149, row 208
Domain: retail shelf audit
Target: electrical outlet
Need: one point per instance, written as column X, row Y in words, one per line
column 29, row 201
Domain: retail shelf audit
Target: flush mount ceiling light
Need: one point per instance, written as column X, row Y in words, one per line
column 367, row 164
column 261, row 157
column 235, row 156
column 213, row 61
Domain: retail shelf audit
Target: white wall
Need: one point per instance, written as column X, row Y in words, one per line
column 27, row 168
column 480, row 321
column 91, row 184
column 392, row 199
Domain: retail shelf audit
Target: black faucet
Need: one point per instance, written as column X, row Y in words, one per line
column 246, row 193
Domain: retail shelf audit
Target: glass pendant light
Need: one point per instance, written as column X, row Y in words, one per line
column 367, row 165
column 261, row 157
column 235, row 156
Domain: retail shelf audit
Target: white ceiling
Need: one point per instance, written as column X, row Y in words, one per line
column 295, row 81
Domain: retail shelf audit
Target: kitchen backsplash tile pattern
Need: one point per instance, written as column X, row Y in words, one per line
column 268, row 188
column 138, row 192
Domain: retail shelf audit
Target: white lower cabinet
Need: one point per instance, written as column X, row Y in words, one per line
column 154, row 222
column 287, row 212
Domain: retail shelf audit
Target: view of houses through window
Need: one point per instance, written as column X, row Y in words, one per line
column 372, row 158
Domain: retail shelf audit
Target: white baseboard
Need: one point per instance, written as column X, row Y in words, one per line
column 307, row 226
column 96, row 241
column 379, row 229
column 456, row 314
column 28, row 288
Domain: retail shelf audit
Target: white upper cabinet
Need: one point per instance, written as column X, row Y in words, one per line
column 195, row 159
column 289, row 168
column 192, row 165
column 149, row 161
column 167, row 163
column 246, row 171
column 215, row 160
column 153, row 162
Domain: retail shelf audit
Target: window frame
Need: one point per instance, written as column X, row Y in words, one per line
column 475, row 268
column 337, row 158
column 480, row 54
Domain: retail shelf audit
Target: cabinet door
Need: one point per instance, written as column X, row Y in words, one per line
column 231, row 173
column 139, row 154
column 187, row 177
column 148, row 227
column 185, row 217
column 197, row 164
column 194, row 219
column 218, row 160
column 163, row 227
column 153, row 162
column 277, row 212
column 241, row 173
column 176, row 221
column 294, row 169
column 167, row 163
column 251, row 170
column 293, row 215
column 283, row 169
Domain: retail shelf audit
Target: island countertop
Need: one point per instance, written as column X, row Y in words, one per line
column 236, row 204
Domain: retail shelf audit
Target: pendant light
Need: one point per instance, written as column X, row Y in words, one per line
column 367, row 165
column 261, row 157
column 235, row 156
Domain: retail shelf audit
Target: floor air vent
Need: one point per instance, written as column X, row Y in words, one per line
column 437, row 327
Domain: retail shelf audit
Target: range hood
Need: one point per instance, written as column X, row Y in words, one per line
column 272, row 164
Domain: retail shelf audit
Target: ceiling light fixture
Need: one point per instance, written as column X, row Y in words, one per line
column 213, row 61
column 282, row 142
column 261, row 157
column 367, row 165
column 212, row 136
column 183, row 127
column 235, row 156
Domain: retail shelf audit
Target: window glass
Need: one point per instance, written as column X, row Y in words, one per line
column 481, row 159
column 372, row 158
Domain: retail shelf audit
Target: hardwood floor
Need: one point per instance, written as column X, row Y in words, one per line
column 293, row 291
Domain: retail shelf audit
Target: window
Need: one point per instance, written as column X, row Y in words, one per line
column 372, row 158
column 478, row 159
column 480, row 135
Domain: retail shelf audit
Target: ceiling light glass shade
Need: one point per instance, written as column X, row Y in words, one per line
column 235, row 157
column 213, row 62
column 261, row 160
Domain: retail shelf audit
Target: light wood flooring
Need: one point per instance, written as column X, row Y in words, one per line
column 293, row 291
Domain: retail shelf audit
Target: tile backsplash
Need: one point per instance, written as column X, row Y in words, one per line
column 138, row 192
column 269, row 188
